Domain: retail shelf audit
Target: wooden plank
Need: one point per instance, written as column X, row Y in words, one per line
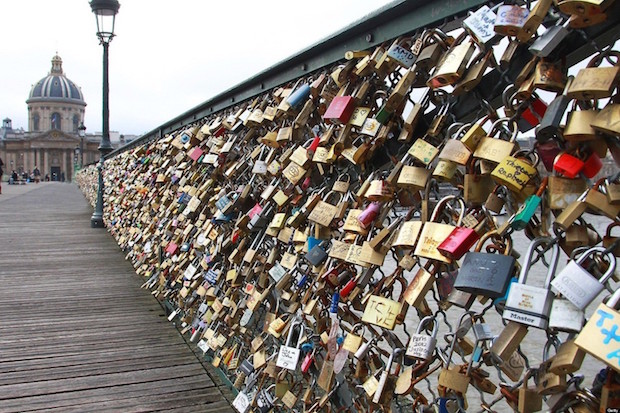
column 152, row 403
column 73, row 398
column 78, row 333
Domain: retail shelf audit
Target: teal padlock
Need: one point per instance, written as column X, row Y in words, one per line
column 528, row 209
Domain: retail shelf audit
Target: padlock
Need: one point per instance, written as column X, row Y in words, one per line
column 478, row 186
column 529, row 399
column 421, row 346
column 496, row 199
column 510, row 19
column 533, row 20
column 452, row 378
column 568, row 358
column 599, row 337
column 452, row 65
column 597, row 201
column 400, row 52
column 509, row 339
column 550, row 76
column 527, row 210
column 573, row 211
column 568, row 165
column 606, row 120
column 578, row 126
column 610, row 240
column 495, row 150
column 594, row 82
column 484, row 273
column 475, row 72
column 548, row 382
column 386, row 376
column 549, row 126
column 460, row 240
column 565, row 316
column 583, row 7
column 517, row 170
column 434, row 233
column 579, row 286
column 527, row 304
column 546, row 43
column 480, row 25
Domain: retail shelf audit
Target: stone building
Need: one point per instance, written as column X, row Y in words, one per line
column 55, row 112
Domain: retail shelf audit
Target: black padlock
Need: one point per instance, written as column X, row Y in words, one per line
column 316, row 255
column 484, row 273
column 549, row 126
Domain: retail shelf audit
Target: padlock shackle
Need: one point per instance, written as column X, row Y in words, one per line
column 425, row 321
column 614, row 300
column 527, row 263
column 612, row 261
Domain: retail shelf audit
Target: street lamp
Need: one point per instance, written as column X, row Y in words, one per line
column 105, row 13
column 81, row 133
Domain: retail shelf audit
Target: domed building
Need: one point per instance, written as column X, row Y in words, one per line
column 56, row 108
column 55, row 102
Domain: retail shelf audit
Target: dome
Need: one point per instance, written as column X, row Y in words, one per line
column 56, row 86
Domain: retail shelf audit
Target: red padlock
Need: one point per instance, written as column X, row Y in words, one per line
column 340, row 109
column 532, row 118
column 460, row 241
column 568, row 165
column 592, row 165
column 331, row 275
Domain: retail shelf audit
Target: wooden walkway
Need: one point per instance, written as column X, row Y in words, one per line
column 77, row 334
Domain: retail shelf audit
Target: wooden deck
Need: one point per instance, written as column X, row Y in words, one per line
column 77, row 334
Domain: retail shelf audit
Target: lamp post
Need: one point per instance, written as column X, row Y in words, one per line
column 105, row 13
column 81, row 133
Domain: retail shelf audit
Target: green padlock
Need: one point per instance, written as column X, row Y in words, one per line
column 384, row 114
column 529, row 207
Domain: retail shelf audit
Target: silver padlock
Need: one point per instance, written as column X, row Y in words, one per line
column 421, row 346
column 565, row 316
column 578, row 285
column 289, row 355
column 384, row 375
column 527, row 304
column 549, row 40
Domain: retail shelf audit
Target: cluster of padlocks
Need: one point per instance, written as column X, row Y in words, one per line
column 331, row 246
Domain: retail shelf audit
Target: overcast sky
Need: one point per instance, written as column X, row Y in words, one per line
column 168, row 56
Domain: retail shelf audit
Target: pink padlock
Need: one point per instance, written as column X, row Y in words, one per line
column 367, row 217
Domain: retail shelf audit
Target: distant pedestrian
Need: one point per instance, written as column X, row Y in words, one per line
column 37, row 174
column 14, row 178
column 1, row 173
column 62, row 177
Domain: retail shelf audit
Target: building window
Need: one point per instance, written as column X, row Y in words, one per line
column 35, row 122
column 56, row 120
column 76, row 123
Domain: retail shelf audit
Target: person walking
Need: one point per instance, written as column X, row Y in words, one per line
column 37, row 174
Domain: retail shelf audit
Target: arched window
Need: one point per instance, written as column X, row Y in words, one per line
column 76, row 123
column 55, row 120
column 35, row 122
